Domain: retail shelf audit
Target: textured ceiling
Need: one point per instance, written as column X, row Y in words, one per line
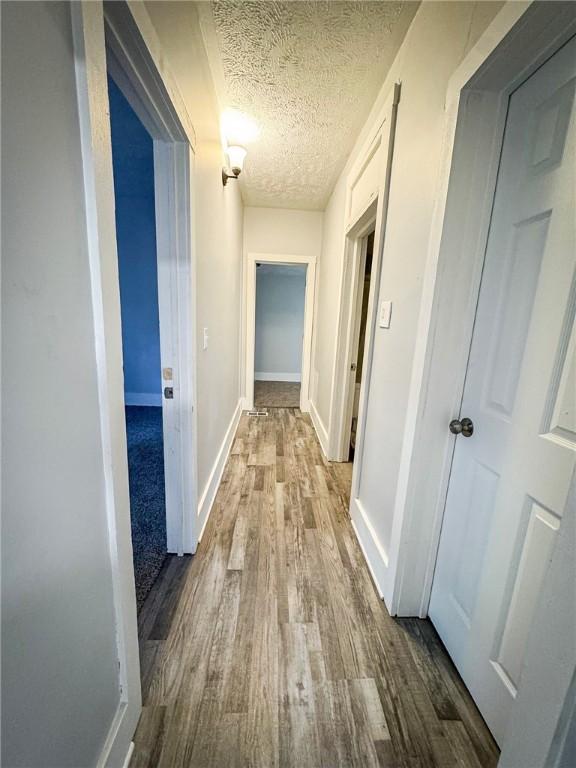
column 308, row 73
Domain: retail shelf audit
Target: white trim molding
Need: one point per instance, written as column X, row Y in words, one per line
column 211, row 488
column 173, row 164
column 367, row 190
column 373, row 551
column 115, row 752
column 321, row 430
column 143, row 398
column 249, row 321
column 273, row 376
column 126, row 762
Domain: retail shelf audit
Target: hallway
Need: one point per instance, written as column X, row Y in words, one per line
column 279, row 651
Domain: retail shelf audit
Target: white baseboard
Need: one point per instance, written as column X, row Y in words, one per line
column 128, row 755
column 209, row 493
column 321, row 430
column 265, row 376
column 373, row 551
column 142, row 398
column 118, row 746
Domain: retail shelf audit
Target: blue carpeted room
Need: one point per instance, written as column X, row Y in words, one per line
column 133, row 165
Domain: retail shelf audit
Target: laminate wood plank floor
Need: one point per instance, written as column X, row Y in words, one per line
column 275, row 649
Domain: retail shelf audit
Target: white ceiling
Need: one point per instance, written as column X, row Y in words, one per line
column 308, row 73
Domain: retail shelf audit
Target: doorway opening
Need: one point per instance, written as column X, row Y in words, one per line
column 278, row 322
column 134, row 193
column 151, row 158
column 279, row 334
column 357, row 365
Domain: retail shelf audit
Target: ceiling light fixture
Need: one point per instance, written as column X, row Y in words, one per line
column 236, row 155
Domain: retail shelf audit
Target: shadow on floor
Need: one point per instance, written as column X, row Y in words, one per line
column 155, row 617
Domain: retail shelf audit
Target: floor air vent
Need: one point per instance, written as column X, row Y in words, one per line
column 257, row 413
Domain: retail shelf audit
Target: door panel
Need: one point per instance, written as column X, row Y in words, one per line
column 509, row 480
column 474, row 524
column 535, row 552
column 562, row 420
column 519, row 272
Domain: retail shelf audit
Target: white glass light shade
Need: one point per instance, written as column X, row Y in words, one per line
column 236, row 155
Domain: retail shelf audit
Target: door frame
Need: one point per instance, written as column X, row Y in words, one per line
column 126, row 29
column 363, row 218
column 354, row 264
column 358, row 269
column 272, row 258
column 521, row 37
column 173, row 256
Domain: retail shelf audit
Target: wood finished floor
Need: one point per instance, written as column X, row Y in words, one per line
column 270, row 647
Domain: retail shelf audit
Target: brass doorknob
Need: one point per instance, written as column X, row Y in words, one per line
column 463, row 427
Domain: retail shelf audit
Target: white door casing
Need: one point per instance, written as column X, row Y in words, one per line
column 358, row 288
column 509, row 481
column 367, row 190
column 173, row 167
column 376, row 556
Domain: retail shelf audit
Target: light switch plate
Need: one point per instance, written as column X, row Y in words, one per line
column 205, row 339
column 167, row 374
column 385, row 314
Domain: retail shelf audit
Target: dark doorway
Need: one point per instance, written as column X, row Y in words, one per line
column 361, row 340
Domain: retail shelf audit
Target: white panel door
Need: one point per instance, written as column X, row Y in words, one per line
column 510, row 478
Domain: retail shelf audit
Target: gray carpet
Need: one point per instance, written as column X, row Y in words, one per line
column 147, row 500
column 276, row 394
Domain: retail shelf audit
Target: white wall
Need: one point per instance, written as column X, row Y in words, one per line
column 218, row 233
column 219, row 243
column 60, row 687
column 280, row 292
column 282, row 231
column 438, row 39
